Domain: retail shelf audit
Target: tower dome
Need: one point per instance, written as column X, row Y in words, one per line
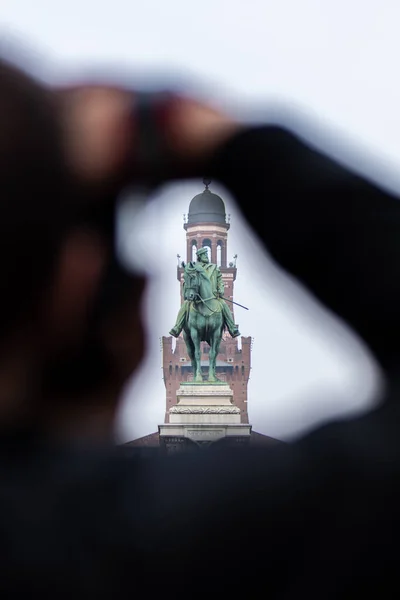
column 206, row 207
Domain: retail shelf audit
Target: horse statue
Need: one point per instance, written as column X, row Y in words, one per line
column 204, row 321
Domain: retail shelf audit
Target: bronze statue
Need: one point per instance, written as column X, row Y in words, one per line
column 204, row 313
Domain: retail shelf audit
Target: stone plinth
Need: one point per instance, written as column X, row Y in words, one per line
column 207, row 403
column 204, row 413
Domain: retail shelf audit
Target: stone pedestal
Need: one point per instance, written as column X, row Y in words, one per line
column 204, row 413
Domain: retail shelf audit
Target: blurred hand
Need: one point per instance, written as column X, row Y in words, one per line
column 94, row 128
column 196, row 130
column 100, row 133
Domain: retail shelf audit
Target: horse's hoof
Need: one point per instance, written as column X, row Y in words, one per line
column 198, row 379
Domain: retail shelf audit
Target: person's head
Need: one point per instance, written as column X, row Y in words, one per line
column 202, row 255
column 70, row 322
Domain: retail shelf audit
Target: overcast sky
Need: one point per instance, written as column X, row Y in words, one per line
column 331, row 68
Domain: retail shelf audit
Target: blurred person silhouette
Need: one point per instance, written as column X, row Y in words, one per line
column 55, row 260
column 315, row 518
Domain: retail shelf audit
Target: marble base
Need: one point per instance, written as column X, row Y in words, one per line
column 201, row 404
column 204, row 413
column 204, row 432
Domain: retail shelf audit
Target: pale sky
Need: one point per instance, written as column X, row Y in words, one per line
column 331, row 64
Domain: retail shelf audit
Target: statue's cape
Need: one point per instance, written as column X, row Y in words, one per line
column 190, row 269
column 209, row 269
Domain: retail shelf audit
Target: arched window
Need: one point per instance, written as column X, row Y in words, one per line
column 219, row 253
column 194, row 250
column 207, row 244
column 170, row 369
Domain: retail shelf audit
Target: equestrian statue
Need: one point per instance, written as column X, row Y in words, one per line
column 204, row 314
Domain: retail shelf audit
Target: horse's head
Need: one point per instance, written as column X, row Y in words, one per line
column 191, row 292
column 192, row 287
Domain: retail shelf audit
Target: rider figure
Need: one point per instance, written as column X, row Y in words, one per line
column 214, row 274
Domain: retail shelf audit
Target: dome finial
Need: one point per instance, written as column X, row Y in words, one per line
column 206, row 181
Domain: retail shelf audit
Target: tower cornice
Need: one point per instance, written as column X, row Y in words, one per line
column 193, row 227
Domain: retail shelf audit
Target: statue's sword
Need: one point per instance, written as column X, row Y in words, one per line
column 237, row 303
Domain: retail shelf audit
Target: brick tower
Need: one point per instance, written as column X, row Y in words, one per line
column 206, row 226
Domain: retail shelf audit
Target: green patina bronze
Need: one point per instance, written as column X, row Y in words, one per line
column 204, row 314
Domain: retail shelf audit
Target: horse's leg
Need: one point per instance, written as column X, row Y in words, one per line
column 215, row 340
column 194, row 334
column 212, row 356
column 190, row 350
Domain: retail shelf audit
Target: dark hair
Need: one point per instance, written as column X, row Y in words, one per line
column 39, row 205
column 33, row 194
column 83, row 368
